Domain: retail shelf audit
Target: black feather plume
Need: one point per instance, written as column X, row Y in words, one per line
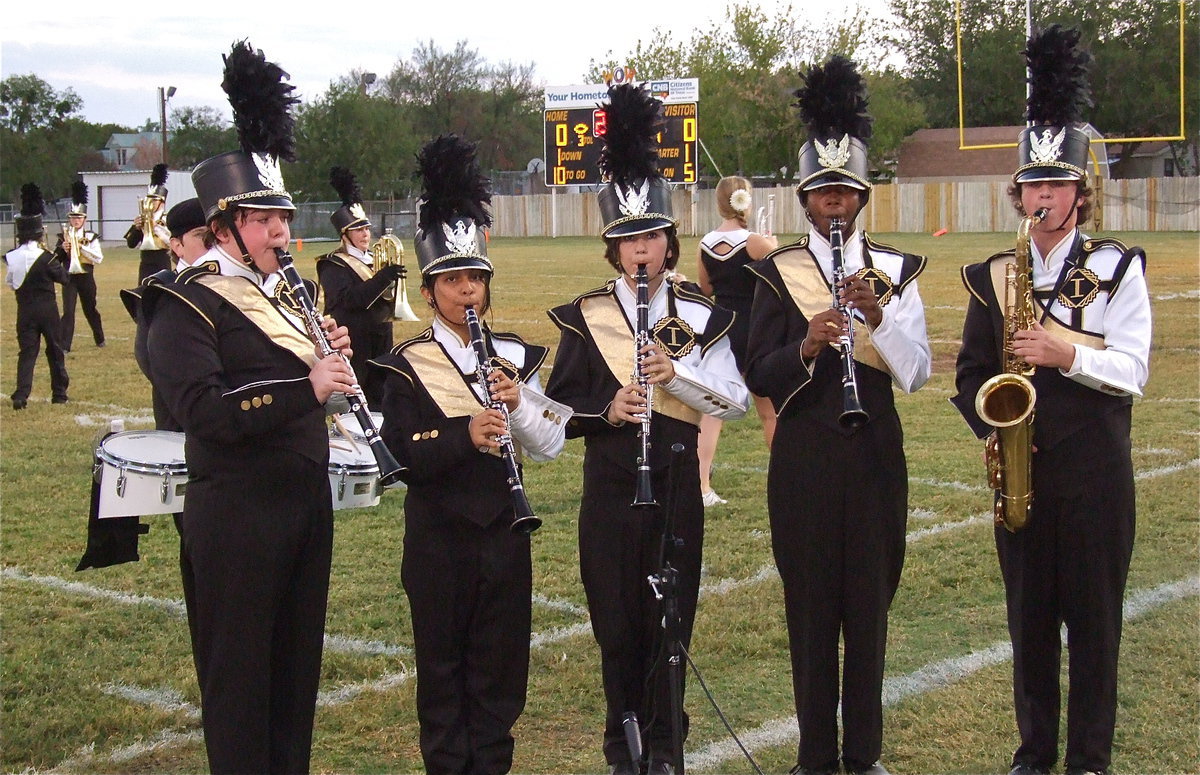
column 1059, row 92
column 833, row 100
column 158, row 175
column 261, row 102
column 346, row 184
column 452, row 183
column 633, row 119
column 32, row 203
column 79, row 192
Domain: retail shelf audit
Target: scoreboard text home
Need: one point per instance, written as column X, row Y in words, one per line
column 575, row 124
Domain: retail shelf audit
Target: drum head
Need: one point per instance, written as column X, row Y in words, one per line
column 360, row 461
column 161, row 449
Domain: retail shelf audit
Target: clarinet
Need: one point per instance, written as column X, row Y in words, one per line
column 524, row 521
column 390, row 472
column 644, row 496
column 853, row 416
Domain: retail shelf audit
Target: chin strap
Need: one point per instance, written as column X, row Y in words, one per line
column 237, row 237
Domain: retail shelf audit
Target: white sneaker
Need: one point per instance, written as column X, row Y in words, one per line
column 711, row 498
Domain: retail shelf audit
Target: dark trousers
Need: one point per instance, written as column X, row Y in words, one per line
column 153, row 261
column 618, row 548
column 83, row 287
column 1069, row 565
column 258, row 538
column 838, row 510
column 372, row 342
column 469, row 589
column 33, row 326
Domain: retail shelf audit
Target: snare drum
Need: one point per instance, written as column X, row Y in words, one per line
column 141, row 473
column 350, row 422
column 353, row 475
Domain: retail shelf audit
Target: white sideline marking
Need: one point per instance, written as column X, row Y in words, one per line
column 1165, row 470
column 333, row 697
column 167, row 700
column 931, row 677
column 1173, row 296
column 560, row 605
column 335, row 643
column 105, row 420
column 162, row 740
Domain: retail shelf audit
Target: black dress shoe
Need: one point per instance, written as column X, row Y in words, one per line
column 99, row 344
column 1082, row 771
column 873, row 769
column 623, row 768
column 826, row 769
column 1028, row 769
column 660, row 767
column 18, row 404
column 58, row 400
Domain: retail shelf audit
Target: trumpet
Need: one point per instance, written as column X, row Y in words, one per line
column 147, row 209
column 644, row 495
column 853, row 416
column 386, row 251
column 390, row 471
column 1006, row 401
column 524, row 521
column 71, row 237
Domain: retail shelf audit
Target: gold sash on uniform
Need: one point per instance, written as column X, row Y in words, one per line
column 444, row 385
column 358, row 267
column 614, row 339
column 1051, row 324
column 810, row 290
column 252, row 303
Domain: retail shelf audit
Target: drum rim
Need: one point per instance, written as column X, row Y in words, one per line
column 140, row 466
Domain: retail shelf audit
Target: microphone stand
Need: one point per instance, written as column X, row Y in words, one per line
column 665, row 584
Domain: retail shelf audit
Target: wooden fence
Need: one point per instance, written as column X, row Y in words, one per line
column 1152, row 204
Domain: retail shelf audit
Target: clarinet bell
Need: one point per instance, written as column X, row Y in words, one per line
column 644, row 496
column 525, row 524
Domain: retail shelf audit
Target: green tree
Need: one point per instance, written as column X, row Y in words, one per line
column 196, row 133
column 52, row 156
column 27, row 102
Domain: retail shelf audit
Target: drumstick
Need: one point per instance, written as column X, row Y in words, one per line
column 337, row 423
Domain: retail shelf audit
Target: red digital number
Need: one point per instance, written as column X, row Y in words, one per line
column 599, row 123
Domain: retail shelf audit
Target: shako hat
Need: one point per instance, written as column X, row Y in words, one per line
column 351, row 214
column 1053, row 147
column 636, row 198
column 833, row 107
column 185, row 216
column 158, row 182
column 29, row 221
column 261, row 103
column 79, row 198
column 453, row 210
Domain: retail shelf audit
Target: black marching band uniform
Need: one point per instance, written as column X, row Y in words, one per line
column 81, row 280
column 355, row 295
column 1069, row 563
column 467, row 576
column 837, row 497
column 153, row 239
column 619, row 544
column 32, row 272
column 232, row 361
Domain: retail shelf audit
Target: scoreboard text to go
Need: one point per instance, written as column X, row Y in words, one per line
column 573, row 142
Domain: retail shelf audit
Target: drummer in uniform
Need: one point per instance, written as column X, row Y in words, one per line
column 230, row 353
column 467, row 575
column 31, row 273
column 355, row 294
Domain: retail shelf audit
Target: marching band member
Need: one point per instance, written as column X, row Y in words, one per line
column 81, row 281
column 150, row 232
column 352, row 293
column 229, row 350
column 724, row 253
column 691, row 368
column 31, row 273
column 1090, row 345
column 466, row 573
column 837, row 488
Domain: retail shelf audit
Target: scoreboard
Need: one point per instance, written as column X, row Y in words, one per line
column 575, row 125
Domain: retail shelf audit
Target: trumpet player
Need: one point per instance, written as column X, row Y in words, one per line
column 467, row 575
column 354, row 292
column 149, row 233
column 837, row 490
column 1087, row 340
column 687, row 369
column 79, row 249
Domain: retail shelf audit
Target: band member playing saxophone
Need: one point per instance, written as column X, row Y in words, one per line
column 354, row 293
column 149, row 233
column 466, row 570
column 1088, row 343
column 79, row 249
column 230, row 352
column 689, row 370
column 837, row 490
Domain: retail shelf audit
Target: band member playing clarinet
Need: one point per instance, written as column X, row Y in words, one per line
column 466, row 567
column 230, row 352
column 1087, row 338
column 619, row 391
column 837, row 487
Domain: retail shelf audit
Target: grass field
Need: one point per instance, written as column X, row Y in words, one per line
column 97, row 675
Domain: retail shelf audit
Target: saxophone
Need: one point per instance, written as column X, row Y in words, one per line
column 1006, row 401
column 74, row 239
